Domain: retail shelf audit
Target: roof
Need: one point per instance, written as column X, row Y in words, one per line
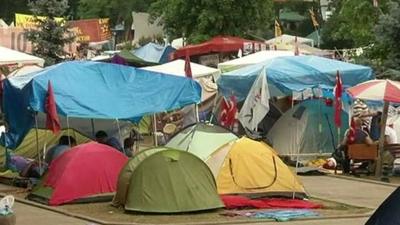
column 177, row 67
column 9, row 56
column 215, row 44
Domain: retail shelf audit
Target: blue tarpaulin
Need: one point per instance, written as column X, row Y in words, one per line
column 293, row 73
column 155, row 53
column 93, row 90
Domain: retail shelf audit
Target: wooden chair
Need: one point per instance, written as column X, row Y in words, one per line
column 362, row 152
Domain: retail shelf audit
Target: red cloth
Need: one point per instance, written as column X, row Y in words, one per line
column 296, row 47
column 235, row 201
column 228, row 111
column 52, row 120
column 338, row 100
column 216, row 44
column 85, row 170
column 351, row 134
column 188, row 69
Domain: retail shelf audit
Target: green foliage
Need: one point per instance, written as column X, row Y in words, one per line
column 387, row 33
column 50, row 36
column 351, row 24
column 117, row 10
column 200, row 20
column 8, row 8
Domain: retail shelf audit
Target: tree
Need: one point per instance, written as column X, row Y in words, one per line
column 10, row 7
column 50, row 36
column 387, row 33
column 351, row 24
column 200, row 20
column 119, row 11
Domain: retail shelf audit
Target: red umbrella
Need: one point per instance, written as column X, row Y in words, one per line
column 378, row 90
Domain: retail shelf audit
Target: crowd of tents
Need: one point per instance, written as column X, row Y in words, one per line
column 199, row 162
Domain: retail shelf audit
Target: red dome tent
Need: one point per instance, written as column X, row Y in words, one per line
column 217, row 44
column 84, row 172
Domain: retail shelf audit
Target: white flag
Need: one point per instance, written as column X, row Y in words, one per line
column 256, row 105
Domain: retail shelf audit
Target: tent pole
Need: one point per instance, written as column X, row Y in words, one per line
column 378, row 169
column 196, row 112
column 120, row 135
column 37, row 143
column 69, row 139
column 155, row 130
column 93, row 129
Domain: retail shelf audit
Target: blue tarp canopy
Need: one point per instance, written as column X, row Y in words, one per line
column 155, row 53
column 95, row 90
column 293, row 73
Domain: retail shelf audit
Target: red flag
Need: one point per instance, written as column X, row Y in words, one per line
column 52, row 120
column 188, row 70
column 296, row 47
column 228, row 111
column 351, row 135
column 338, row 100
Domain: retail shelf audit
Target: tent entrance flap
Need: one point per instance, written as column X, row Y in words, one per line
column 258, row 187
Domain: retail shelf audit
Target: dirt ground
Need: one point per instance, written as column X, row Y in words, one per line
column 104, row 211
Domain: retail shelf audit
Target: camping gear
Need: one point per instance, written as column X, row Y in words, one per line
column 85, row 173
column 285, row 215
column 307, row 128
column 253, row 168
column 388, row 212
column 154, row 53
column 237, row 201
column 9, row 56
column 121, row 93
column 163, row 180
column 288, row 74
column 201, row 139
column 378, row 90
column 7, row 216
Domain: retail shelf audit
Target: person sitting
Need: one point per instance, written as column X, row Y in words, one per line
column 64, row 144
column 358, row 136
column 102, row 138
column 128, row 146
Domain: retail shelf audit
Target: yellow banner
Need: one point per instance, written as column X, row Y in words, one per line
column 27, row 21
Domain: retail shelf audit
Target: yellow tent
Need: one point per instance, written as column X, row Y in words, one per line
column 245, row 166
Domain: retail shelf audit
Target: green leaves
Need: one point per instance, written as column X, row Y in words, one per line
column 50, row 37
column 200, row 20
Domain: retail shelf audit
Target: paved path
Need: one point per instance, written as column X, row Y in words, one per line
column 347, row 191
column 29, row 215
column 341, row 190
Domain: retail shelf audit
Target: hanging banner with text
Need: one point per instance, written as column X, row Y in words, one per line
column 91, row 30
column 27, row 21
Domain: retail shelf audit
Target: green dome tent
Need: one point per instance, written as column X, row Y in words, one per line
column 201, row 139
column 163, row 180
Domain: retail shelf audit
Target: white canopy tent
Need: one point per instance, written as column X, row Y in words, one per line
column 252, row 59
column 177, row 67
column 203, row 74
column 24, row 70
column 289, row 39
column 9, row 56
